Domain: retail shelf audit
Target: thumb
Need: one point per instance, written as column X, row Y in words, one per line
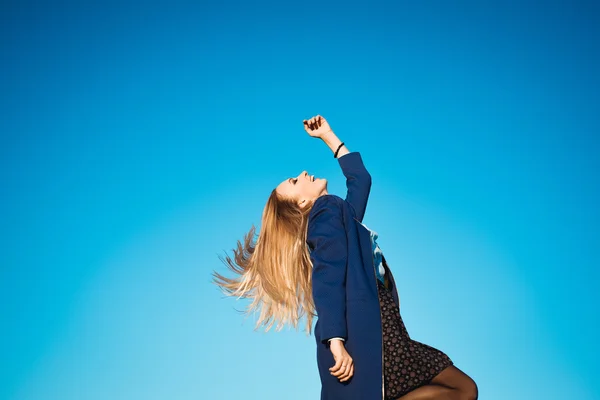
column 338, row 364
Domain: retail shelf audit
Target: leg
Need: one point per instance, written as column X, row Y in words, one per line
column 454, row 378
column 432, row 392
column 450, row 384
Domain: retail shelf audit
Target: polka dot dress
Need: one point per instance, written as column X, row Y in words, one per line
column 407, row 364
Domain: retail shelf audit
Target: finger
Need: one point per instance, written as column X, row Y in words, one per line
column 346, row 370
column 344, row 376
column 350, row 374
column 346, row 373
column 343, row 370
column 319, row 120
column 337, row 366
column 340, row 372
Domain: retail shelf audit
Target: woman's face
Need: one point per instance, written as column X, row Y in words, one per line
column 302, row 188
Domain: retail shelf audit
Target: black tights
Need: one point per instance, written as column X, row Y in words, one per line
column 450, row 384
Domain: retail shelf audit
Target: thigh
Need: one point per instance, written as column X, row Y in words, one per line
column 454, row 378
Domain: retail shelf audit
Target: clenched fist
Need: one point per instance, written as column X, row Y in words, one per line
column 316, row 126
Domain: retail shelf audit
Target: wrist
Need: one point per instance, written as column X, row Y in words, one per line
column 333, row 142
column 330, row 138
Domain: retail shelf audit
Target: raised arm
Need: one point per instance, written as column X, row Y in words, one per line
column 358, row 182
column 358, row 179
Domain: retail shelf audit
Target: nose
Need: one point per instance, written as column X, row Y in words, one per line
column 305, row 173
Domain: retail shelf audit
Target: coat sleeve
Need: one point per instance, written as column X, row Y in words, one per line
column 326, row 238
column 358, row 182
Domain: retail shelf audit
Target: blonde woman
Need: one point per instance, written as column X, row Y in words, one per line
column 314, row 256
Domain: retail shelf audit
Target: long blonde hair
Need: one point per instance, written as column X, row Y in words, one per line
column 275, row 272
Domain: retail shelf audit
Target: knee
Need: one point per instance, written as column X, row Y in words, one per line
column 469, row 390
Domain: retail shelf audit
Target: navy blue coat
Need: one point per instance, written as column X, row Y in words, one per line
column 344, row 286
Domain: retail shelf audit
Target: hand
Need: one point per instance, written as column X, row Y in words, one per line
column 316, row 126
column 344, row 366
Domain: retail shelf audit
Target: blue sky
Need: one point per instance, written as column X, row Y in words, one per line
column 139, row 143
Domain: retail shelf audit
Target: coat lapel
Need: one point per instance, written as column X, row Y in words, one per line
column 364, row 238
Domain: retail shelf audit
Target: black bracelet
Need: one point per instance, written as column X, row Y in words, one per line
column 338, row 149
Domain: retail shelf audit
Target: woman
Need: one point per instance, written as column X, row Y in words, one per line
column 314, row 254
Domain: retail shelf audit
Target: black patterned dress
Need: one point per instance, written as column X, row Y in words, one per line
column 407, row 364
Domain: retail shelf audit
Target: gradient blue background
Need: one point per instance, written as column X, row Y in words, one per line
column 141, row 141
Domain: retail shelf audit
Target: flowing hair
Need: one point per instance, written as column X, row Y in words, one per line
column 275, row 273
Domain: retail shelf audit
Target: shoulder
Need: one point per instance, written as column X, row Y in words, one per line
column 326, row 201
column 326, row 219
column 327, row 204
